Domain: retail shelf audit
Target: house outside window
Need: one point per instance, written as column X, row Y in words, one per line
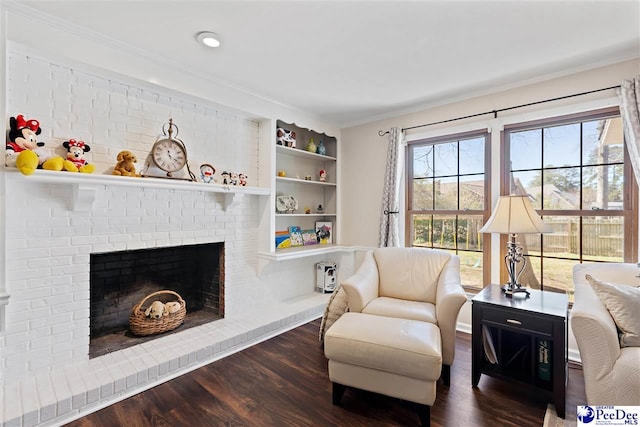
column 448, row 199
column 577, row 173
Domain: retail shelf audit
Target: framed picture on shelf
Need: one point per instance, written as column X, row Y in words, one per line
column 324, row 232
column 309, row 237
column 295, row 235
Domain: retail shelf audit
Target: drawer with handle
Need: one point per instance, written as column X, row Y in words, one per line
column 517, row 320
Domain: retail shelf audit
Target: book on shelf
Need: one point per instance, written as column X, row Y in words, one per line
column 544, row 360
column 295, row 234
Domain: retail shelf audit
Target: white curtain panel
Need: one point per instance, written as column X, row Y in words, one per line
column 630, row 112
column 389, row 225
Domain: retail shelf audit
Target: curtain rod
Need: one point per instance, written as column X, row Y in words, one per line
column 495, row 112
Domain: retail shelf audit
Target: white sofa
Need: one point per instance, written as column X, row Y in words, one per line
column 611, row 373
column 414, row 284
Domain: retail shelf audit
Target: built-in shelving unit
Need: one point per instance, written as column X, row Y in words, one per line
column 295, row 171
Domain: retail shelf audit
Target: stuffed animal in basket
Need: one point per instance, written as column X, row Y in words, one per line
column 75, row 157
column 171, row 307
column 125, row 165
column 156, row 310
column 24, row 151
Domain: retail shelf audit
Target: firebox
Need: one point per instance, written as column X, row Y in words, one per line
column 120, row 280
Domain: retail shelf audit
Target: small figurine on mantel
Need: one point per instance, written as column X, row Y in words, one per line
column 323, row 175
column 206, row 173
column 76, row 162
column 125, row 164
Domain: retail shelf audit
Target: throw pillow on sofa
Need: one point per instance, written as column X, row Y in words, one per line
column 623, row 303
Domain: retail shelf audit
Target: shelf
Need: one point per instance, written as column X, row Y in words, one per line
column 304, row 251
column 304, row 215
column 298, row 152
column 85, row 185
column 304, row 181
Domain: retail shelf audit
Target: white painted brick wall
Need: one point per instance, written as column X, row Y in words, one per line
column 48, row 245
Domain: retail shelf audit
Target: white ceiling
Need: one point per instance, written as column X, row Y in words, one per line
column 353, row 61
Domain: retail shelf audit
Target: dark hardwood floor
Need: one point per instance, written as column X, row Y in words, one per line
column 284, row 382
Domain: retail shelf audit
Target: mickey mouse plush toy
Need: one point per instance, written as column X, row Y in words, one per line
column 22, row 134
column 22, row 142
column 22, row 147
column 75, row 157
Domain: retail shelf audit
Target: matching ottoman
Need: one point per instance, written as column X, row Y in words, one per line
column 391, row 356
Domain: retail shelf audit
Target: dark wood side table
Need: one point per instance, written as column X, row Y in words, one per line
column 522, row 340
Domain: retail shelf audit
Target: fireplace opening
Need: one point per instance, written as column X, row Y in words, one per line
column 120, row 280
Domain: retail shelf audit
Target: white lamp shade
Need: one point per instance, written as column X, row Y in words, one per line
column 515, row 215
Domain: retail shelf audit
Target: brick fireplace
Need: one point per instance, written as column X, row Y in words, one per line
column 122, row 279
column 46, row 370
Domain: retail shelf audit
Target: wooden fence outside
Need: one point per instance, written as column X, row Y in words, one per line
column 599, row 239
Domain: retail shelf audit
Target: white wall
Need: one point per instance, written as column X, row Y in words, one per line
column 362, row 187
column 105, row 56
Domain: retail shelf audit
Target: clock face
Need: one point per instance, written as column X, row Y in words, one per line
column 169, row 155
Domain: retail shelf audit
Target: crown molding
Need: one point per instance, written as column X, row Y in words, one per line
column 40, row 18
column 614, row 55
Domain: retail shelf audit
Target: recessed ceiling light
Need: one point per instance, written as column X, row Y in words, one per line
column 208, row 38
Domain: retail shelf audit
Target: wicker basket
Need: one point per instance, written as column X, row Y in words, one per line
column 141, row 325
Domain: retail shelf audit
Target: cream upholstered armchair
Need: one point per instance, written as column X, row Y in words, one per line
column 611, row 373
column 411, row 283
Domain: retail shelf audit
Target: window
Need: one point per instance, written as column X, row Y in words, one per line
column 577, row 174
column 448, row 199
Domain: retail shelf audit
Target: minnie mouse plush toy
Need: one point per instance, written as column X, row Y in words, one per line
column 75, row 157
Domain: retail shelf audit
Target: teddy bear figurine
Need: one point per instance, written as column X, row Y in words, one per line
column 75, row 157
column 125, row 165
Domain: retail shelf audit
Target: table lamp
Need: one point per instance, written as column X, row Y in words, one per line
column 515, row 215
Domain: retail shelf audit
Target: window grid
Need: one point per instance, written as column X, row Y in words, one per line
column 627, row 212
column 459, row 223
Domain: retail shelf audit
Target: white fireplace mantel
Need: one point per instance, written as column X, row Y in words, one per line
column 4, row 300
column 86, row 185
